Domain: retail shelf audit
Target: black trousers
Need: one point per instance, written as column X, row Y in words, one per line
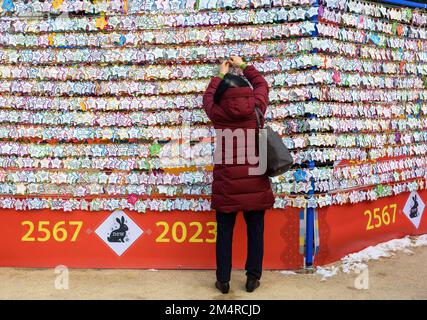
column 255, row 231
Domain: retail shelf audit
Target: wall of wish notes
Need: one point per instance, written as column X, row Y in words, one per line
column 100, row 101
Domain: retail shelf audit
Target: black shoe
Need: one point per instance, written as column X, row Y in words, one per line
column 224, row 287
column 252, row 284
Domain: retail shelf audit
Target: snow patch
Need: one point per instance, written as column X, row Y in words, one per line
column 326, row 272
column 421, row 241
column 356, row 262
column 288, row 272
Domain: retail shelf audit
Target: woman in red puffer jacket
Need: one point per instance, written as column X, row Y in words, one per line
column 229, row 102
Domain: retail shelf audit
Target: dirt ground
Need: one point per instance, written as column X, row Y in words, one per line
column 403, row 276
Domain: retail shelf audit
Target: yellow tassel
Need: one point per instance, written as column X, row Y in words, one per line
column 83, row 105
column 50, row 38
column 101, row 23
column 57, row 3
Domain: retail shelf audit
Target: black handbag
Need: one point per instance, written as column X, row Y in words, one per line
column 279, row 159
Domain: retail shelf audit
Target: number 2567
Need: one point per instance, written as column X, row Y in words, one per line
column 378, row 217
column 46, row 232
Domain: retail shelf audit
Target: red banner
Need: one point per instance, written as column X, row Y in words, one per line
column 351, row 228
column 171, row 240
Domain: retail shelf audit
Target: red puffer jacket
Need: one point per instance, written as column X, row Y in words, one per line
column 233, row 189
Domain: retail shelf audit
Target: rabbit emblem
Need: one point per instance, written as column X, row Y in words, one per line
column 414, row 208
column 118, row 235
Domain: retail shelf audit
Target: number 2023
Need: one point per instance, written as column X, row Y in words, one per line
column 381, row 219
column 58, row 231
column 179, row 225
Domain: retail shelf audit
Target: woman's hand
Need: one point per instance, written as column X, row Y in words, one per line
column 236, row 61
column 224, row 67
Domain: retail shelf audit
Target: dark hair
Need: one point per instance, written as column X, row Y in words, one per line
column 229, row 81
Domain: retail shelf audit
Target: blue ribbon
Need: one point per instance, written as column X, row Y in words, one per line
column 407, row 3
column 8, row 5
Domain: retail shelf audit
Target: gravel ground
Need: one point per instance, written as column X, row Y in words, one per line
column 403, row 276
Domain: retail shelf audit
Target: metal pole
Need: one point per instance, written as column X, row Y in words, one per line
column 309, row 235
column 309, row 230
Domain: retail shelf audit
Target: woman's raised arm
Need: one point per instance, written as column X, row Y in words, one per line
column 208, row 96
column 259, row 85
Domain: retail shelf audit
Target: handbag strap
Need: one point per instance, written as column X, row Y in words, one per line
column 258, row 113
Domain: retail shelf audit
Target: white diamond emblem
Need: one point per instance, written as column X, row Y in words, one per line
column 119, row 232
column 414, row 208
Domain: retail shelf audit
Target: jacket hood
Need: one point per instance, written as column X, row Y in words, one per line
column 238, row 103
